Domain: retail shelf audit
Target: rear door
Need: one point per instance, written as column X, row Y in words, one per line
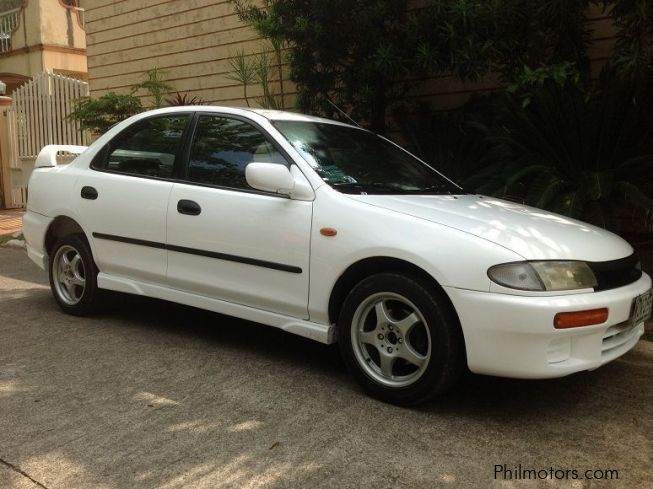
column 125, row 200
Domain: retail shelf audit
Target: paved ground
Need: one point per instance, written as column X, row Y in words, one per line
column 11, row 221
column 153, row 395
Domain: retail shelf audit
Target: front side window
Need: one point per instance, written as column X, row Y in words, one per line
column 223, row 147
column 356, row 161
column 148, row 147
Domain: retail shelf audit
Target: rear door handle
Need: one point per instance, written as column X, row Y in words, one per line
column 89, row 193
column 189, row 208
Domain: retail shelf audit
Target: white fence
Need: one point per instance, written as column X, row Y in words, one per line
column 41, row 109
column 38, row 116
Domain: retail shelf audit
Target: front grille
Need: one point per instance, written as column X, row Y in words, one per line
column 616, row 273
column 619, row 335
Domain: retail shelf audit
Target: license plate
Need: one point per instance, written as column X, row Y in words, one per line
column 641, row 309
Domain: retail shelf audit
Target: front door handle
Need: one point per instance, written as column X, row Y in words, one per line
column 89, row 193
column 189, row 208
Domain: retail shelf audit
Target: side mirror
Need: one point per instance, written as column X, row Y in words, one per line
column 270, row 177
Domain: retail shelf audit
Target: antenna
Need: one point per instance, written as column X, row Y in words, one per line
column 342, row 112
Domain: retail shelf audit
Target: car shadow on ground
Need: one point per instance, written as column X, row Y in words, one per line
column 145, row 312
column 475, row 395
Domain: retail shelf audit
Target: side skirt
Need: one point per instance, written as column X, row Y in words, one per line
column 314, row 331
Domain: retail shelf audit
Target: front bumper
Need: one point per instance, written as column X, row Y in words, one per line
column 513, row 336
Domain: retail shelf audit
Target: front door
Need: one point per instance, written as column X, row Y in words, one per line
column 228, row 241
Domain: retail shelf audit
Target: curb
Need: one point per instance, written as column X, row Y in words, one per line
column 15, row 243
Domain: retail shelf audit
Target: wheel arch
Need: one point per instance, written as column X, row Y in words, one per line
column 366, row 267
column 61, row 226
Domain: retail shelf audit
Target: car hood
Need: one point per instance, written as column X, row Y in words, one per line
column 530, row 232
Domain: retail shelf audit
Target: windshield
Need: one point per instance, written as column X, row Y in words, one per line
column 356, row 161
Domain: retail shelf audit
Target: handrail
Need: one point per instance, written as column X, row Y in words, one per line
column 8, row 24
column 77, row 10
column 13, row 10
column 80, row 15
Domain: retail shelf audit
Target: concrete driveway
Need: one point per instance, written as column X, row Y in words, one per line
column 153, row 395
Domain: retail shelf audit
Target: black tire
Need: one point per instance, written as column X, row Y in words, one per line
column 438, row 326
column 85, row 300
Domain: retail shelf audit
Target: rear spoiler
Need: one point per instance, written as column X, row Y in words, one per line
column 47, row 158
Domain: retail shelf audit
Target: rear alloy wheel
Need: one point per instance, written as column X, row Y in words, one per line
column 400, row 339
column 73, row 276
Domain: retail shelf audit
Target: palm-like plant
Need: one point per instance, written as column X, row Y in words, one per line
column 243, row 71
column 183, row 99
column 155, row 86
column 588, row 156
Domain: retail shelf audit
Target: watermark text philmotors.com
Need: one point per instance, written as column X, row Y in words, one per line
column 520, row 472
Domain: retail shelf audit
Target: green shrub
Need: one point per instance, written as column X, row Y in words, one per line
column 587, row 155
column 99, row 114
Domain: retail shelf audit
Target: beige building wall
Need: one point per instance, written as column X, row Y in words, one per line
column 193, row 40
column 49, row 36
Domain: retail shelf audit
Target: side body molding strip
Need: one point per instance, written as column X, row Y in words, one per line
column 209, row 254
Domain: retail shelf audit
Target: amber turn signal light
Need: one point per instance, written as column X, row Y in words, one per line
column 577, row 319
column 328, row 232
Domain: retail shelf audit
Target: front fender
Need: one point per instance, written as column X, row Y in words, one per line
column 452, row 257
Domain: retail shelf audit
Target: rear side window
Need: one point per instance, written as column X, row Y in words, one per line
column 223, row 147
column 147, row 148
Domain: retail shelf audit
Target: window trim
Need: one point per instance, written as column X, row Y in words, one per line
column 181, row 164
column 183, row 176
column 103, row 154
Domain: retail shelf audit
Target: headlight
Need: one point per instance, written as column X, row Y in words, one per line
column 543, row 275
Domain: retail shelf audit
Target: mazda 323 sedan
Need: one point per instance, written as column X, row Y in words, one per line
column 334, row 233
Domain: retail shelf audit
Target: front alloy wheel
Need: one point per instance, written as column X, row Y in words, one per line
column 390, row 339
column 401, row 338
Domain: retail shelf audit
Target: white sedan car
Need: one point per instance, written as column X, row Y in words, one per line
column 334, row 233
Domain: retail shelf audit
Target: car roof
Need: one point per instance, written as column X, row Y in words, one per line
column 281, row 115
column 272, row 115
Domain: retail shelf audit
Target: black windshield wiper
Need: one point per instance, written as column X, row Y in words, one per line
column 380, row 187
column 438, row 190
column 361, row 187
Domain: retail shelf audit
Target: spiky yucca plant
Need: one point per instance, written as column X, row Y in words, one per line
column 183, row 99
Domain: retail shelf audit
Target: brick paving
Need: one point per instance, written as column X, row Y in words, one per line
column 11, row 221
